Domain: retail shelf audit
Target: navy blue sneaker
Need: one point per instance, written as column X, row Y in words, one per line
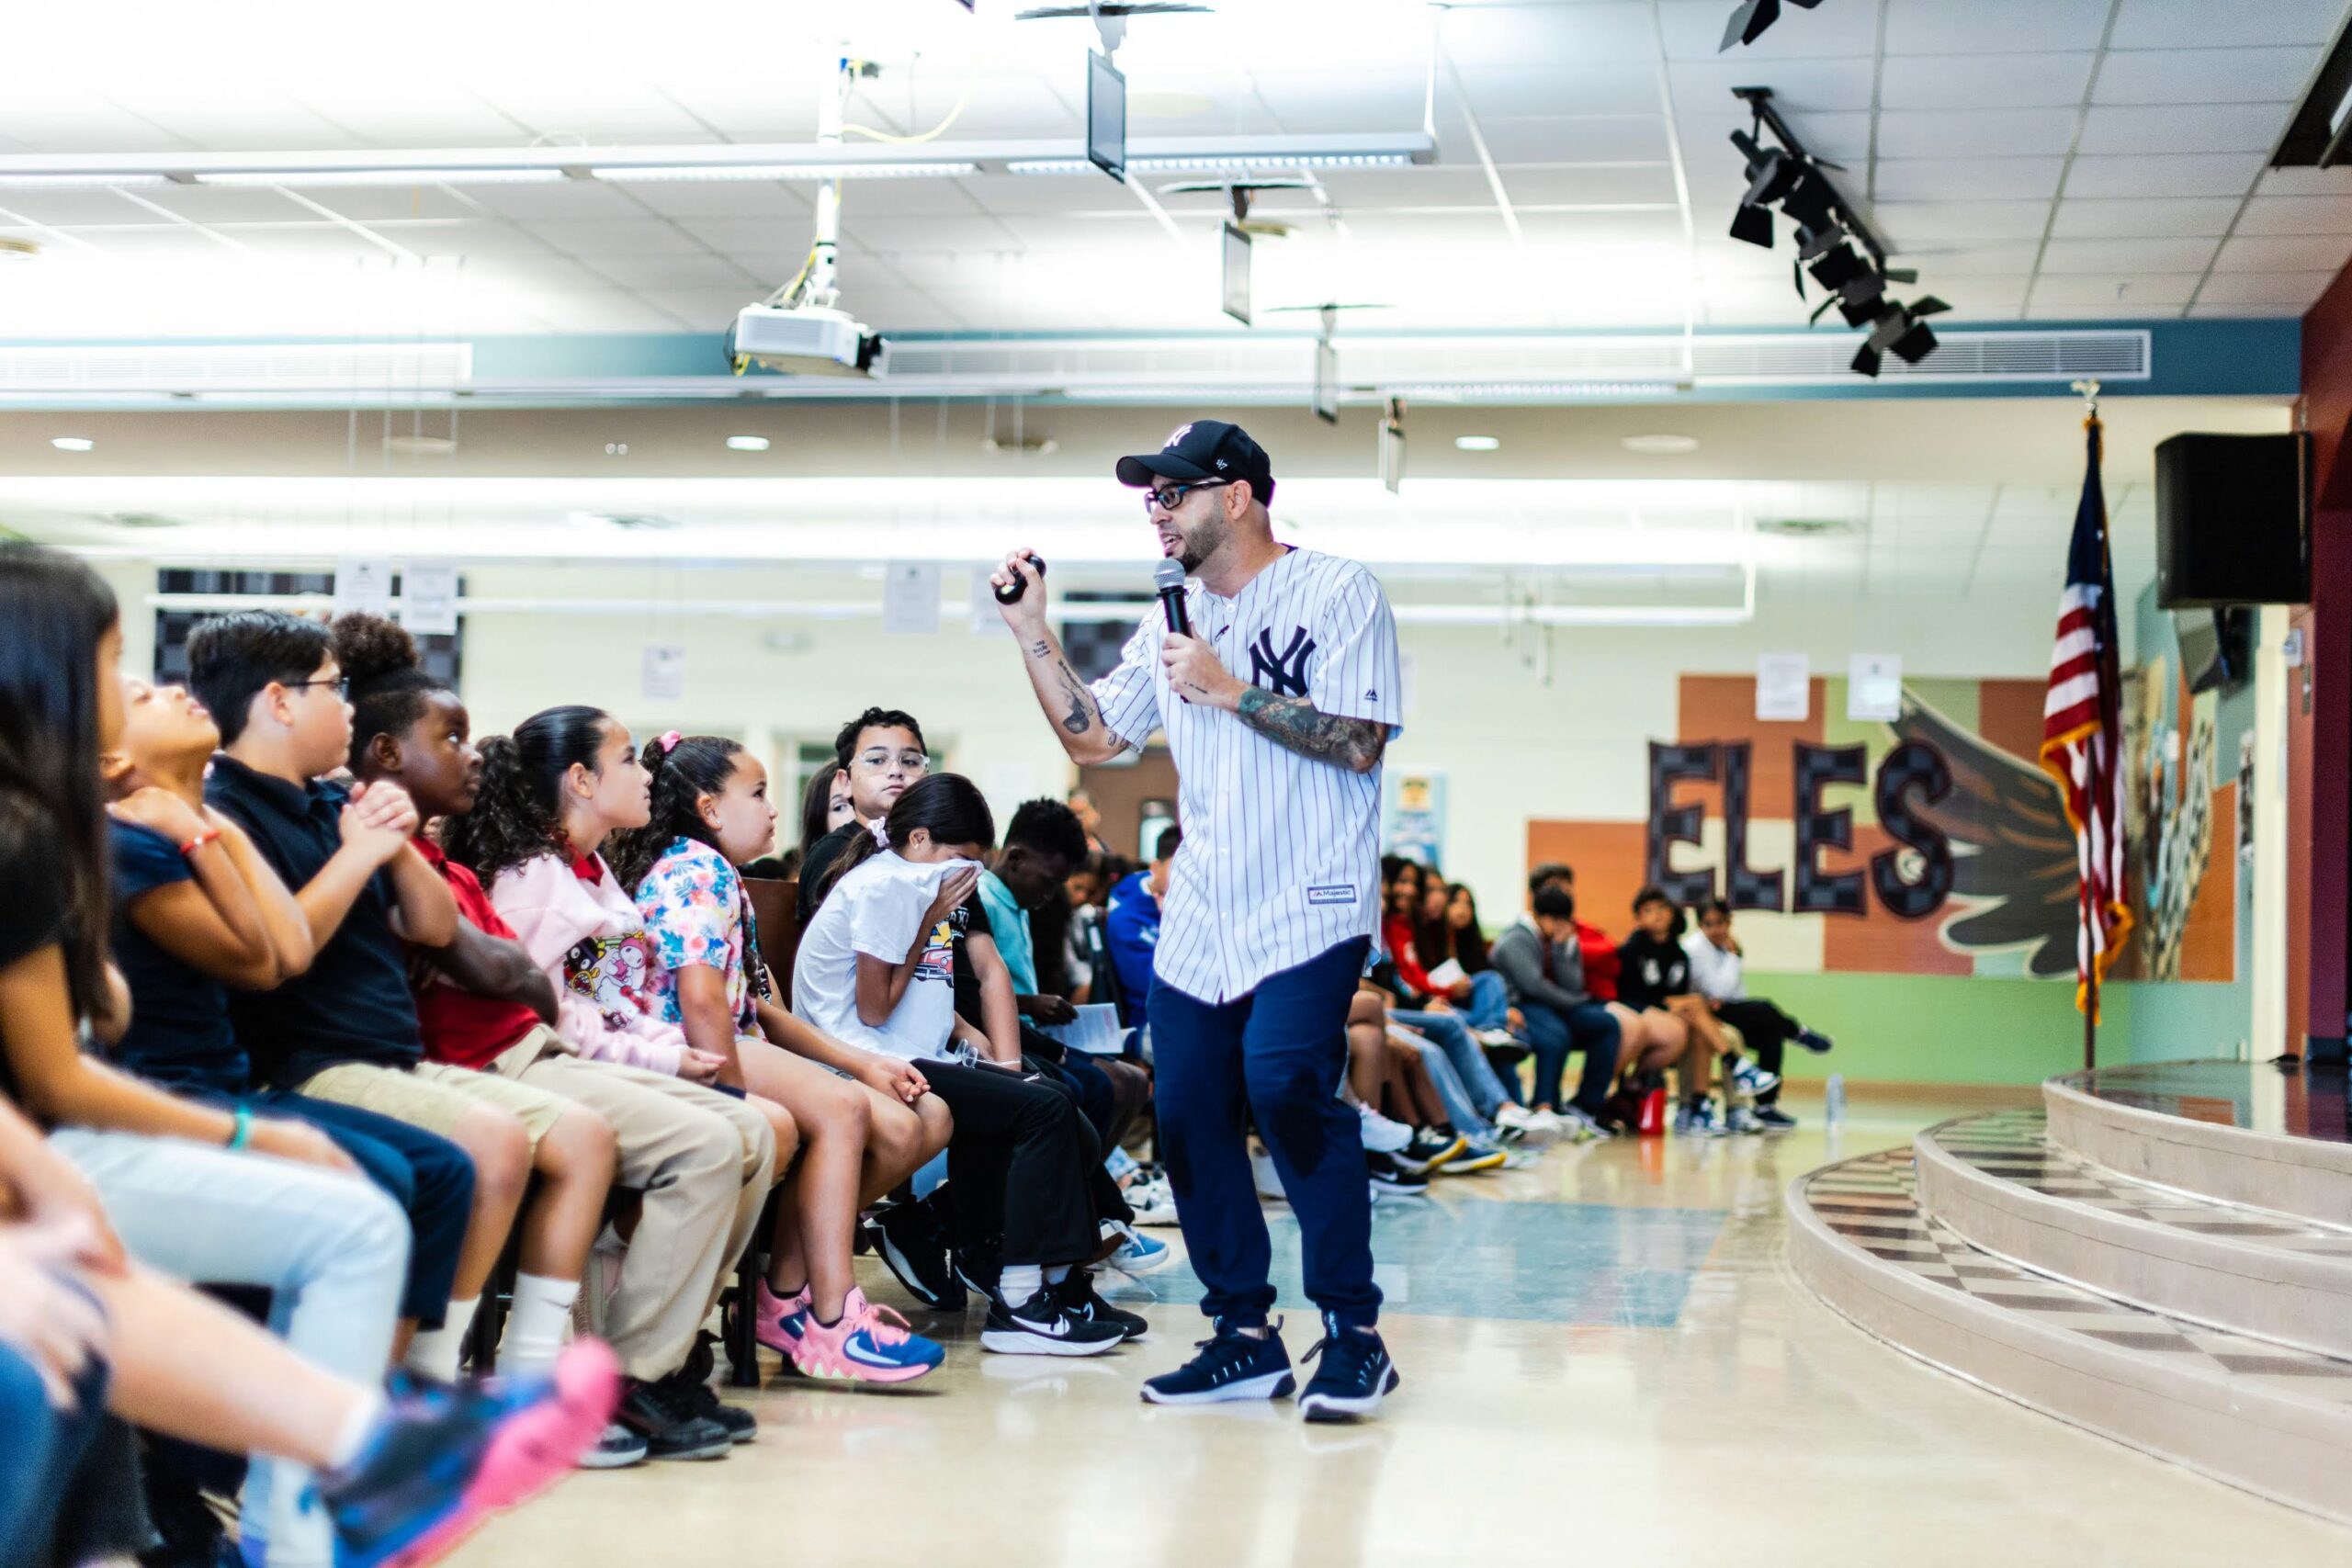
column 1231, row 1365
column 1356, row 1374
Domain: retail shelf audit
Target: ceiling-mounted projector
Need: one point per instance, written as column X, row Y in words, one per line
column 804, row 340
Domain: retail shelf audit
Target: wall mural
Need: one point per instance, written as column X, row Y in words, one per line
column 1930, row 844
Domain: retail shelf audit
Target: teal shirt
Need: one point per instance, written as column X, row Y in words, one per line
column 1009, row 923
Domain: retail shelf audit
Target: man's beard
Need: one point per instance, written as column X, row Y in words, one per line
column 1201, row 543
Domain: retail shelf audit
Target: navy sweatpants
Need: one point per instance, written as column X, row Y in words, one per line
column 1281, row 1053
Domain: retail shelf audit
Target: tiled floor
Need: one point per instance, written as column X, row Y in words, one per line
column 1606, row 1360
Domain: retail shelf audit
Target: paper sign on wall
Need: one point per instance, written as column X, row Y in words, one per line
column 363, row 584
column 987, row 621
column 661, row 678
column 1875, row 688
column 429, row 598
column 910, row 598
column 1783, row 687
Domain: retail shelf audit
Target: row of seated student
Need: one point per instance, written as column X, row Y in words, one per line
column 308, row 998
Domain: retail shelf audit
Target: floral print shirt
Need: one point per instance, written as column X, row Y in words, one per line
column 696, row 912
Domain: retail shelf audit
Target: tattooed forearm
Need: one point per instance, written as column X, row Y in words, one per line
column 1081, row 718
column 1354, row 744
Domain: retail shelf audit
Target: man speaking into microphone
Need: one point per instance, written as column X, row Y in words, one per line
column 1278, row 706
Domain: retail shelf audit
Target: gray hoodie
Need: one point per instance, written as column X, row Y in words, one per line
column 1518, row 956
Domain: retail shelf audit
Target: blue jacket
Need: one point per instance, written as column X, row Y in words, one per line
column 1131, row 931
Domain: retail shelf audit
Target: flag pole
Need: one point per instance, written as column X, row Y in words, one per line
column 2089, row 391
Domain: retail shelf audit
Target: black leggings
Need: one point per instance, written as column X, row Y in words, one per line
column 1767, row 1031
column 1020, row 1167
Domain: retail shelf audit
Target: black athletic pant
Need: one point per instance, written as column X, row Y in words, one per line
column 1018, row 1166
column 1767, row 1031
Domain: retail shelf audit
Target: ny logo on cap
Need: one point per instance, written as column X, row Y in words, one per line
column 1177, row 434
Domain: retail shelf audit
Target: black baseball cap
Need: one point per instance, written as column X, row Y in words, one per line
column 1204, row 449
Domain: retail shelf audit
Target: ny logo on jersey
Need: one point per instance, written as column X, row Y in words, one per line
column 1283, row 673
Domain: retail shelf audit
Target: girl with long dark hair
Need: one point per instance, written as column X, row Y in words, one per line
column 867, row 1121
column 173, row 1179
column 877, row 968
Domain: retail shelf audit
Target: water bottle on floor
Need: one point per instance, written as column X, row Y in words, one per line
column 1833, row 1101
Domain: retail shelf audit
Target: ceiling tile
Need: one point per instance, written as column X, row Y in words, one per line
column 1694, row 31
column 2150, row 217
column 483, row 237
column 1577, row 139
column 2208, row 309
column 2112, row 257
column 2265, row 288
column 569, row 198
column 2336, row 181
column 1966, row 261
column 1984, row 81
column 2202, row 76
column 2189, row 23
column 1989, row 133
column 1649, row 182
column 700, row 270
column 370, row 203
column 72, row 207
column 1967, row 179
column 1356, row 190
column 2297, row 214
column 2045, row 310
column 1917, row 222
column 1481, row 38
column 638, row 236
column 2184, row 127
column 1939, row 27
column 2297, row 252
column 1520, row 89
column 2113, row 288
column 722, row 198
column 2164, row 173
column 1799, row 87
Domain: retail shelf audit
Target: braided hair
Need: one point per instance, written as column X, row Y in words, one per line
column 684, row 770
column 518, row 817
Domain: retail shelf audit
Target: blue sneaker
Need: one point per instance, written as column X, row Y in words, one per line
column 443, row 1460
column 1231, row 1365
column 1355, row 1375
column 1139, row 1254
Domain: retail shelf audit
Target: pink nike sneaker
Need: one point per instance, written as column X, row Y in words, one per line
column 870, row 1343
column 781, row 1320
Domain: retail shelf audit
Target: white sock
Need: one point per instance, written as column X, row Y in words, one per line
column 356, row 1430
column 1019, row 1283
column 1056, row 1274
column 535, row 1324
column 435, row 1352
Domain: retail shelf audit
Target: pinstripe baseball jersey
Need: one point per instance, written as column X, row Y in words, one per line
column 1281, row 856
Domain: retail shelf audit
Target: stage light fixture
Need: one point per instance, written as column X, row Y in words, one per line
column 1752, row 16
column 1753, row 224
column 1861, row 299
column 1835, row 266
column 1866, row 362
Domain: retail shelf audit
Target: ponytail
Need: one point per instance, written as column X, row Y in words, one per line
column 516, row 816
column 948, row 806
column 684, row 770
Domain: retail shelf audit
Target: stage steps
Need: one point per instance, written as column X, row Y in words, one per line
column 2188, row 1324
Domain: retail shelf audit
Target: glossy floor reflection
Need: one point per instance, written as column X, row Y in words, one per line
column 1605, row 1359
column 2309, row 1103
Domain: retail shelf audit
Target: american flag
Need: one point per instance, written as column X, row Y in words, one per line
column 2082, row 736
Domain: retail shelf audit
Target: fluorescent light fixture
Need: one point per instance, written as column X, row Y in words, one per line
column 98, row 181
column 747, row 444
column 1218, row 164
column 1660, row 446
column 1477, row 443
column 623, row 174
column 72, row 442
column 322, row 178
column 1529, row 391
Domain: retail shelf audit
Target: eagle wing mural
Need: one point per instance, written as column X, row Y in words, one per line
column 2013, row 854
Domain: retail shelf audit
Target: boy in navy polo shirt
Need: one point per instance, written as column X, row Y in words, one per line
column 190, row 923
column 346, row 1030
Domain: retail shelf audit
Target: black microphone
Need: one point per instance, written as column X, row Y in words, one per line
column 1012, row 592
column 1169, row 578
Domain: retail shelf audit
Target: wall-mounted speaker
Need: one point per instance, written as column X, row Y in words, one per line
column 2233, row 521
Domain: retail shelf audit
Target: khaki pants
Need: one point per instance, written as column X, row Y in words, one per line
column 703, row 1160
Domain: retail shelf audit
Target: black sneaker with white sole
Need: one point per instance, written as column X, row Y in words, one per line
column 908, row 1238
column 656, row 1412
column 1385, row 1172
column 1355, row 1374
column 1044, row 1325
column 1232, row 1364
column 1077, row 1294
column 1774, row 1117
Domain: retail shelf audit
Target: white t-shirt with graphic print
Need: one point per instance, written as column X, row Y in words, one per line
column 877, row 908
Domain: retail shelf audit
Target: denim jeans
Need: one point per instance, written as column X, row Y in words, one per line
column 1450, row 1090
column 331, row 1248
column 43, row 1451
column 1590, row 1029
column 1474, row 1074
column 1489, row 1003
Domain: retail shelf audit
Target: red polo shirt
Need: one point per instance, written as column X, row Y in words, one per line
column 459, row 1027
